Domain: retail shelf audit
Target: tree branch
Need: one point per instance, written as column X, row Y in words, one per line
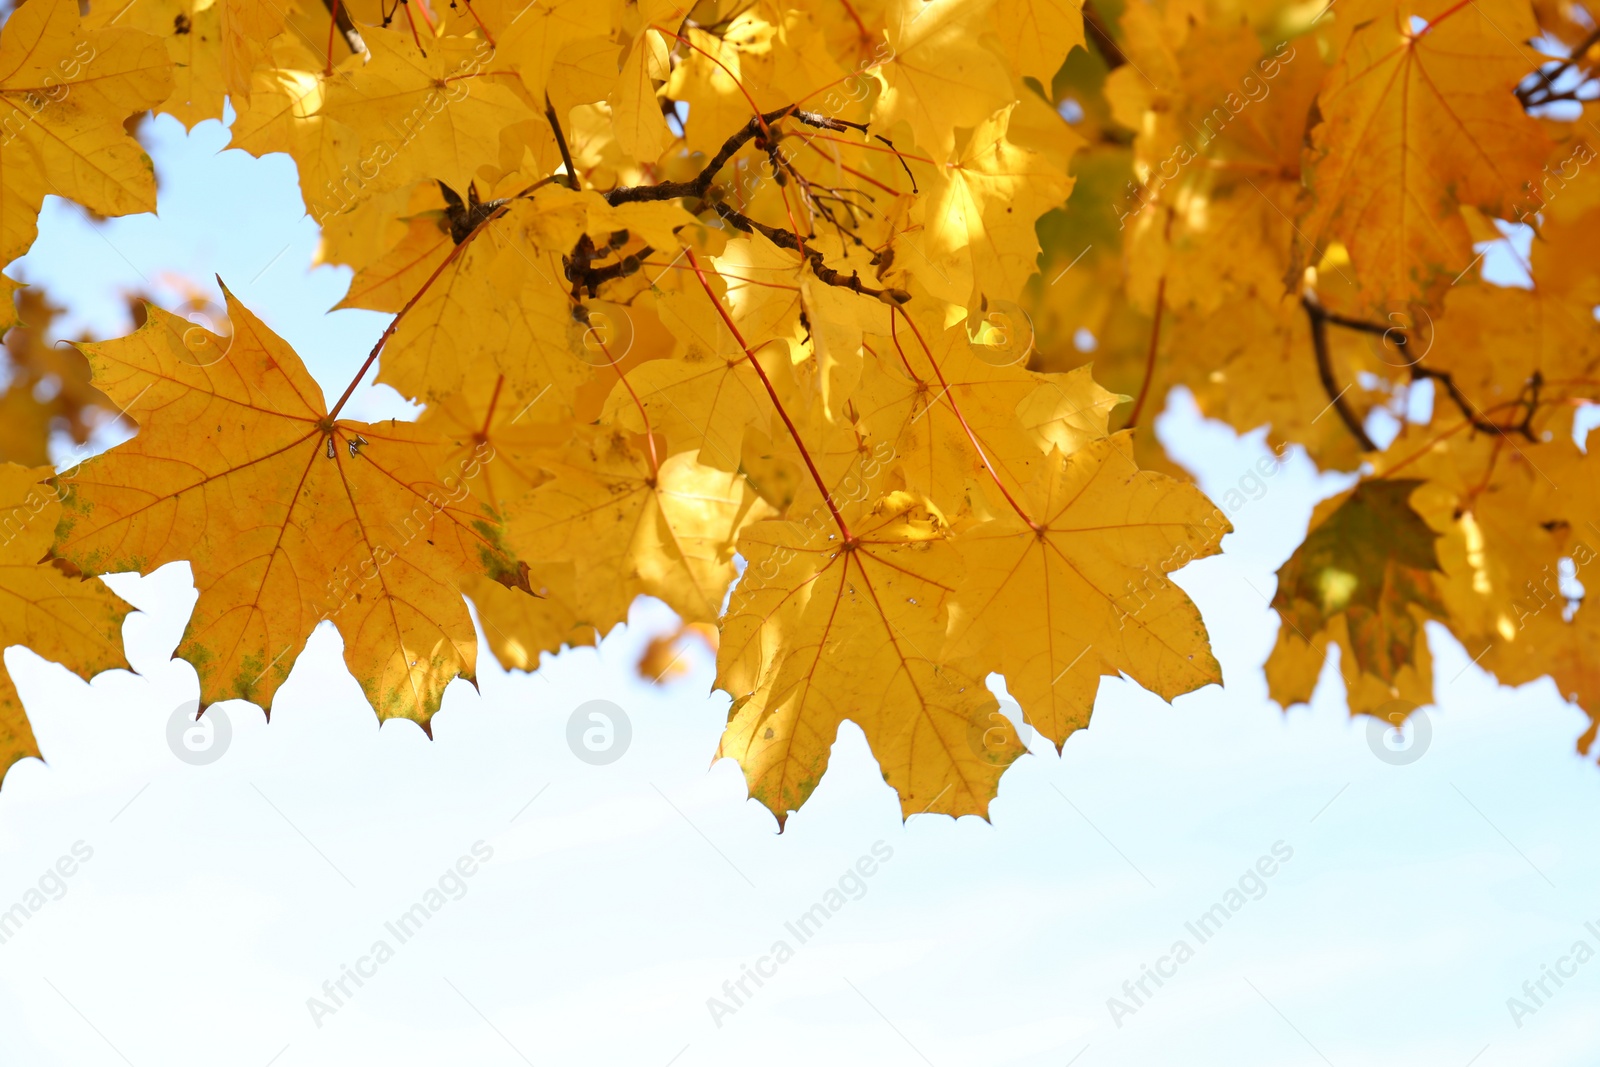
column 464, row 217
column 799, row 442
column 394, row 323
column 1320, row 317
column 1101, row 38
column 826, row 274
column 587, row 278
column 1470, row 412
column 697, row 187
column 1319, row 341
column 1150, row 355
column 561, row 143
column 1534, row 93
column 347, row 29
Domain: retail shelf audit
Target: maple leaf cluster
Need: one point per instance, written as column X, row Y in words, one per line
column 741, row 306
column 1324, row 185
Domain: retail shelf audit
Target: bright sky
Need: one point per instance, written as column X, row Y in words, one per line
column 208, row 905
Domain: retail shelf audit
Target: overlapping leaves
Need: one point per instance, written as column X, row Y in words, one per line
column 724, row 304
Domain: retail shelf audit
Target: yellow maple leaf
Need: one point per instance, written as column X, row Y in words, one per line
column 704, row 397
column 635, row 525
column 287, row 516
column 64, row 93
column 1083, row 591
column 530, row 37
column 720, row 76
column 247, row 28
column 193, row 32
column 822, row 629
column 639, row 127
column 495, row 309
column 427, row 115
column 1419, row 120
column 60, row 616
column 1038, row 34
column 1369, row 557
column 47, row 386
column 939, row 76
column 950, row 412
column 974, row 234
column 283, row 113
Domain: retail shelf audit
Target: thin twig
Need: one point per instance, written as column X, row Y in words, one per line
column 394, row 323
column 1150, row 356
column 1101, row 37
column 1319, row 341
column 1543, row 91
column 561, row 143
column 826, row 274
column 700, row 184
column 772, row 393
column 340, row 16
column 1320, row 317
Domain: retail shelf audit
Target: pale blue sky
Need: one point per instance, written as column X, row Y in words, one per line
column 218, row 899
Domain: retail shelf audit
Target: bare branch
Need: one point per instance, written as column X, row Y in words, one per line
column 1319, row 341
